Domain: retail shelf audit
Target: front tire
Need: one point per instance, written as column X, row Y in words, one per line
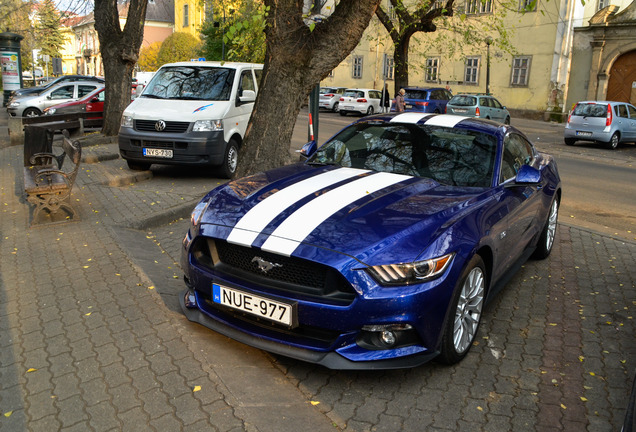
column 138, row 166
column 546, row 240
column 230, row 160
column 31, row 112
column 465, row 312
column 613, row 142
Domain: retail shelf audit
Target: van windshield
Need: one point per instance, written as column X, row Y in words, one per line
column 191, row 83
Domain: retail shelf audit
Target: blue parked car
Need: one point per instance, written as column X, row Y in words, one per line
column 428, row 100
column 380, row 250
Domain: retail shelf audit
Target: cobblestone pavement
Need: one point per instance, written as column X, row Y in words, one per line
column 92, row 338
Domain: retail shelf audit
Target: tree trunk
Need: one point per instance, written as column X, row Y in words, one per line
column 120, row 51
column 296, row 60
column 401, row 61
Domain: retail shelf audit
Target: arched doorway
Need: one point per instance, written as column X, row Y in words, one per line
column 622, row 79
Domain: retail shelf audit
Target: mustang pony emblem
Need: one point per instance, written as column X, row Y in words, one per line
column 263, row 265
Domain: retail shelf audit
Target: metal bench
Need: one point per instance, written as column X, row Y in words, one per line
column 49, row 187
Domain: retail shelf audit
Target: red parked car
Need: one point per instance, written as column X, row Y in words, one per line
column 92, row 103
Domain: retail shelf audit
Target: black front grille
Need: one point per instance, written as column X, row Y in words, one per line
column 171, row 126
column 287, row 274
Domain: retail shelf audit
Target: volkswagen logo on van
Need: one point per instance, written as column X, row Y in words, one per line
column 160, row 125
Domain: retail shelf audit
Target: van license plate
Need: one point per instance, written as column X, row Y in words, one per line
column 252, row 304
column 162, row 153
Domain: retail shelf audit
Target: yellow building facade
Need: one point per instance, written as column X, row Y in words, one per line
column 189, row 16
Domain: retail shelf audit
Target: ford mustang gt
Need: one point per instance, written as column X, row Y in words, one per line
column 380, row 249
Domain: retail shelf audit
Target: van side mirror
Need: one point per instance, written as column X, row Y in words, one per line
column 247, row 96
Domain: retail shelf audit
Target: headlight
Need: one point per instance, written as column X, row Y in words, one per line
column 198, row 211
column 49, row 111
column 207, row 125
column 416, row 272
column 127, row 121
column 14, row 104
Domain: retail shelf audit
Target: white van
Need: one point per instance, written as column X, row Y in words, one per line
column 191, row 113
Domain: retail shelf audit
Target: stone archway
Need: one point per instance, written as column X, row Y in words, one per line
column 622, row 79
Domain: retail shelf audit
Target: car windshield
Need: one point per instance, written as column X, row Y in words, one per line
column 354, row 93
column 449, row 156
column 590, row 110
column 324, row 90
column 191, row 83
column 463, row 101
column 416, row 94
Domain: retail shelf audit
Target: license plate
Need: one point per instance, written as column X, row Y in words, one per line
column 347, row 107
column 582, row 133
column 162, row 153
column 409, row 106
column 459, row 110
column 259, row 306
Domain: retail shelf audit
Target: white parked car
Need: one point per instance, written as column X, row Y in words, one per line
column 330, row 98
column 363, row 101
column 34, row 105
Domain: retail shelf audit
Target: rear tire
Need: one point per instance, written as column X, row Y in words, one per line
column 613, row 142
column 336, row 107
column 230, row 160
column 370, row 110
column 569, row 141
column 465, row 312
column 342, row 113
column 138, row 166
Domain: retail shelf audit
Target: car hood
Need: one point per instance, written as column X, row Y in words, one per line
column 176, row 110
column 300, row 210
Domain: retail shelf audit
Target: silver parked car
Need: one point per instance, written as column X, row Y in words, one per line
column 34, row 105
column 605, row 122
column 330, row 97
column 479, row 106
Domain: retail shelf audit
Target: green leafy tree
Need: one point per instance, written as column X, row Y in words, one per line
column 47, row 30
column 149, row 57
column 179, row 46
column 236, row 33
column 14, row 16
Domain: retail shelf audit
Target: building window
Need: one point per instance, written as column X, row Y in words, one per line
column 603, row 4
column 472, row 70
column 388, row 67
column 432, row 66
column 520, row 71
column 528, row 5
column 186, row 16
column 357, row 67
column 474, row 7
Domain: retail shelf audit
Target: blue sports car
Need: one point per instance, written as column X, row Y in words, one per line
column 379, row 250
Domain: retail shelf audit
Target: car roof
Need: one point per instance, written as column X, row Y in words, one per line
column 214, row 64
column 445, row 120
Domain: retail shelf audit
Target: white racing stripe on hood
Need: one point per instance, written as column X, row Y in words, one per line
column 447, row 120
column 255, row 220
column 409, row 117
column 293, row 230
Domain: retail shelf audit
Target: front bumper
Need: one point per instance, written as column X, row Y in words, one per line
column 189, row 148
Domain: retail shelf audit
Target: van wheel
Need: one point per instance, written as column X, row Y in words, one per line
column 230, row 160
column 138, row 166
column 613, row 142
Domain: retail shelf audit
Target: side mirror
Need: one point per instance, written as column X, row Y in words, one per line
column 528, row 175
column 248, row 96
column 308, row 149
column 95, row 99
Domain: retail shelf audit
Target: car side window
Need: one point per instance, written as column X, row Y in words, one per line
column 483, row 102
column 247, row 82
column 64, row 92
column 517, row 152
column 375, row 95
column 632, row 111
column 447, row 95
column 496, row 104
column 622, row 111
column 83, row 90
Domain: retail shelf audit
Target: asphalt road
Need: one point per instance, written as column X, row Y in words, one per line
column 599, row 184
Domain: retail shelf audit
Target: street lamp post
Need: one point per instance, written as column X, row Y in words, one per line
column 488, row 42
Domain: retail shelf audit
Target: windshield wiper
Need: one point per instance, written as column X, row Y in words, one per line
column 152, row 96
